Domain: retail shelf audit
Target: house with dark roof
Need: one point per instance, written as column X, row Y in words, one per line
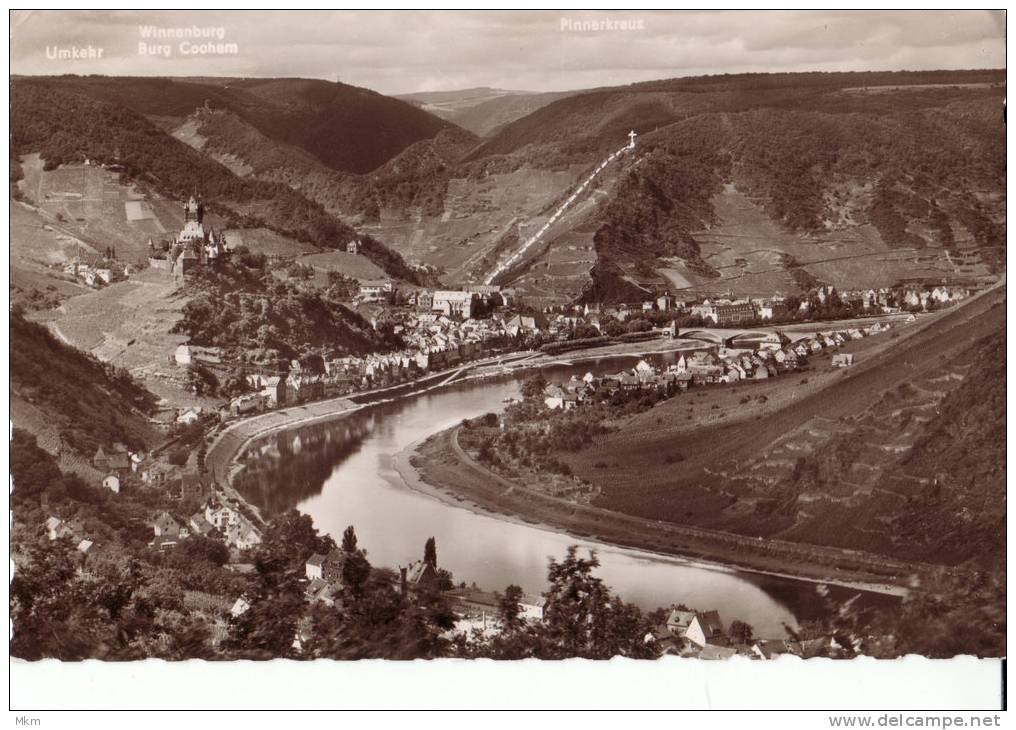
column 706, row 628
column 418, row 574
column 166, row 527
column 100, row 461
column 770, row 648
column 678, row 621
column 118, row 463
column 320, row 590
column 664, row 640
column 200, row 526
column 327, row 567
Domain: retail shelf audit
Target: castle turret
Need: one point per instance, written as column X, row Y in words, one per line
column 193, row 211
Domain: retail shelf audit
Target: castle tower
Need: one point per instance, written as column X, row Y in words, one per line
column 193, row 211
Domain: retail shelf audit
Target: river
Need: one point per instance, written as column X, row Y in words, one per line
column 340, row 473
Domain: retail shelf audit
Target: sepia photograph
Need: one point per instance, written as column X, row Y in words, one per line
column 671, row 336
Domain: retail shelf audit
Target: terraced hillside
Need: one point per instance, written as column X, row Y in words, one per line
column 748, row 184
column 846, row 458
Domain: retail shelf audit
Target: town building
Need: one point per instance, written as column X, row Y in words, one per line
column 376, row 290
column 454, row 304
column 327, row 568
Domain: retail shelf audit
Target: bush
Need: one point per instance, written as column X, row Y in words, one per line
column 179, row 456
column 489, row 420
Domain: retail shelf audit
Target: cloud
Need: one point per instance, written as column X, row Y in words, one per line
column 395, row 51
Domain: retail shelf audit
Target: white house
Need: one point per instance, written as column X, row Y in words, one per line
column 112, row 483
column 57, row 528
column 221, row 515
column 240, row 607
column 532, row 607
column 706, row 628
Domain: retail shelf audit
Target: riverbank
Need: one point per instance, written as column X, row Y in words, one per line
column 454, row 476
column 232, row 440
column 438, row 468
column 476, row 489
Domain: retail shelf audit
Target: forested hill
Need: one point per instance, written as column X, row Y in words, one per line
column 924, row 166
column 346, row 127
column 238, row 305
column 593, row 119
column 65, row 126
column 88, row 403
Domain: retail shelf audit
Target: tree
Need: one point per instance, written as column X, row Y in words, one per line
column 430, row 551
column 509, row 608
column 179, row 456
column 582, row 619
column 533, row 386
column 355, row 570
column 349, row 540
column 741, row 632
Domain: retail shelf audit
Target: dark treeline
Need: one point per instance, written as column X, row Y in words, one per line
column 240, row 306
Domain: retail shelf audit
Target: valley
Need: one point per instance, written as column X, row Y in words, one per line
column 788, row 291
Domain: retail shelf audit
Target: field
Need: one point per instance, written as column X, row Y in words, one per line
column 89, row 203
column 270, row 243
column 352, row 265
column 441, row 468
column 128, row 324
column 38, row 246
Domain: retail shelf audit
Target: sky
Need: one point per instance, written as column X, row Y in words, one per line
column 402, row 51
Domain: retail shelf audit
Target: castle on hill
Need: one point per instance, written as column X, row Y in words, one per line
column 195, row 246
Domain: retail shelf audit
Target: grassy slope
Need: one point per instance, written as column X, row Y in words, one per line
column 87, row 403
